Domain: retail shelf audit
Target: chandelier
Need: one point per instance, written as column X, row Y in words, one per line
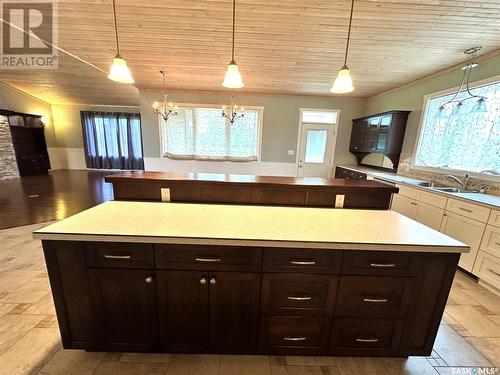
column 165, row 109
column 480, row 106
column 233, row 113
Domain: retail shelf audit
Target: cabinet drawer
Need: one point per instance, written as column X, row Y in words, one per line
column 432, row 199
column 298, row 294
column 407, row 192
column 491, row 240
column 294, row 335
column 209, row 258
column 487, row 268
column 288, row 197
column 119, row 255
column 379, row 263
column 472, row 211
column 374, row 296
column 365, row 336
column 494, row 218
column 302, row 261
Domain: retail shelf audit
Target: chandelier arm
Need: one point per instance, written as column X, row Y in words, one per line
column 468, row 89
column 459, row 89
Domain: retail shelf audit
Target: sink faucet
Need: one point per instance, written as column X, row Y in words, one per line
column 463, row 184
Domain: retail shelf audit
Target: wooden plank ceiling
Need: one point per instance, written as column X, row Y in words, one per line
column 282, row 46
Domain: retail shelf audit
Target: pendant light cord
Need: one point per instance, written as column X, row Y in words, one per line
column 234, row 16
column 116, row 29
column 348, row 34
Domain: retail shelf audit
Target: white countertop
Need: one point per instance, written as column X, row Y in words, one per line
column 492, row 201
column 272, row 226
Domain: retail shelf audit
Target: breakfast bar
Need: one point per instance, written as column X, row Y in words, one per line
column 206, row 278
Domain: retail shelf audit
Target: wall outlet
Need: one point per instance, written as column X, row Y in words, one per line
column 165, row 194
column 291, row 152
column 339, row 201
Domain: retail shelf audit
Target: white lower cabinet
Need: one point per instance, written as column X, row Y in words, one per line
column 404, row 205
column 429, row 215
column 466, row 230
column 487, row 268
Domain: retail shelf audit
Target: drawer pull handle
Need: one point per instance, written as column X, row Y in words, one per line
column 359, row 339
column 464, row 209
column 298, row 338
column 207, row 260
column 303, row 262
column 299, row 298
column 375, row 300
column 107, row 256
column 493, row 271
column 497, row 243
column 382, row 265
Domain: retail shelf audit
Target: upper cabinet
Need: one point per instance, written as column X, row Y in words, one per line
column 382, row 135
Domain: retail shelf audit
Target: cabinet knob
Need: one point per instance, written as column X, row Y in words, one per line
column 203, row 281
column 149, row 279
column 213, row 281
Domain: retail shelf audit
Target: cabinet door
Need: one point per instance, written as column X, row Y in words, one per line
column 404, row 205
column 125, row 309
column 234, row 309
column 358, row 134
column 183, row 310
column 429, row 215
column 466, row 230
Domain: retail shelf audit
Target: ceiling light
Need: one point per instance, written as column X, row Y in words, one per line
column 119, row 70
column 233, row 113
column 232, row 79
column 343, row 82
column 165, row 109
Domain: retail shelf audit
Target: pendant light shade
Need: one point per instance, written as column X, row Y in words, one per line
column 119, row 71
column 232, row 79
column 343, row 82
column 480, row 106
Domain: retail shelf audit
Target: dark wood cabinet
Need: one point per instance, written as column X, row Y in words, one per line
column 183, row 310
column 234, row 311
column 251, row 300
column 28, row 140
column 125, row 312
column 380, row 133
column 208, row 311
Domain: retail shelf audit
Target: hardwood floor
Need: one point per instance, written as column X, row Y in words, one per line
column 41, row 198
column 469, row 334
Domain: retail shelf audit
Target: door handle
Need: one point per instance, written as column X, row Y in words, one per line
column 297, row 338
column 108, row 256
column 212, row 260
column 299, row 298
column 382, row 265
column 375, row 300
column 303, row 262
column 360, row 339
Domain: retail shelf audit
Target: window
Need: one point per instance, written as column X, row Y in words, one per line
column 202, row 133
column 458, row 139
column 112, row 140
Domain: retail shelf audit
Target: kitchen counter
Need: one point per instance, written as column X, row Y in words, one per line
column 248, row 189
column 489, row 200
column 179, row 223
column 203, row 278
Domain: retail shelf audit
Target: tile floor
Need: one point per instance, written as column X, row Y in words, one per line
column 469, row 335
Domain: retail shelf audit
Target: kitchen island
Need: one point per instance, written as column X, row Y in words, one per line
column 191, row 278
column 249, row 189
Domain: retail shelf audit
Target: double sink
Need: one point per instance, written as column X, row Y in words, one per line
column 443, row 188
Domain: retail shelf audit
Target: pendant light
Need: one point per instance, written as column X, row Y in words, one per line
column 480, row 106
column 119, row 70
column 343, row 82
column 232, row 78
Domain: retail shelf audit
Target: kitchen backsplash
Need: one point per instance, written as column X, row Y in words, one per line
column 404, row 169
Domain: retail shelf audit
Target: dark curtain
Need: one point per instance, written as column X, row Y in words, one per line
column 112, row 140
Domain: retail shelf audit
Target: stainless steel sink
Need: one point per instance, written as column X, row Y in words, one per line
column 425, row 183
column 448, row 189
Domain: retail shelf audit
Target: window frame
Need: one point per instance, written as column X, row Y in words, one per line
column 260, row 109
column 426, row 98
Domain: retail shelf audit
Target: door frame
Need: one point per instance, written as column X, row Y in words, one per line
column 333, row 143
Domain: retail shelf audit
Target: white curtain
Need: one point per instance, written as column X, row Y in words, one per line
column 462, row 140
column 203, row 134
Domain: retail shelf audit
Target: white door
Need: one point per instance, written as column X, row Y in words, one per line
column 316, row 150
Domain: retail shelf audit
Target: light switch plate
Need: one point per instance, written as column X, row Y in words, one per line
column 339, row 201
column 369, row 178
column 165, row 194
column 291, row 152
